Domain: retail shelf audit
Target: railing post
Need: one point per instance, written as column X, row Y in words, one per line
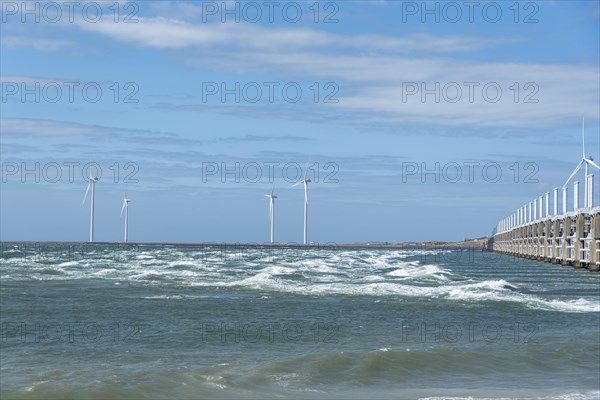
column 575, row 195
column 591, row 191
column 530, row 211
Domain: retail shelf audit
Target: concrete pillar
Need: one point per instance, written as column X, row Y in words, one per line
column 513, row 241
column 521, row 247
column 547, row 204
column 555, row 201
column 556, row 224
column 533, row 239
column 594, row 246
column 579, row 221
column 565, row 234
column 526, row 241
column 564, row 201
column 541, row 242
column 548, row 239
column 533, row 252
column 538, row 241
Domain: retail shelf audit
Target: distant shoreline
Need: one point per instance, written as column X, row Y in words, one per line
column 464, row 245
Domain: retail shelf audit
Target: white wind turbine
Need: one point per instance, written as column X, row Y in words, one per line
column 126, row 209
column 272, row 198
column 305, row 181
column 92, row 184
column 584, row 160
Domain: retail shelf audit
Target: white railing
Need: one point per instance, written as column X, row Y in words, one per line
column 533, row 212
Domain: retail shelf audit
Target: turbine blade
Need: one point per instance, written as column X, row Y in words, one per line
column 123, row 208
column 574, row 172
column 593, row 164
column 86, row 192
column 297, row 183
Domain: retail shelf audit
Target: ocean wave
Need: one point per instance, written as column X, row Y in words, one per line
column 490, row 290
column 589, row 395
column 413, row 271
column 344, row 272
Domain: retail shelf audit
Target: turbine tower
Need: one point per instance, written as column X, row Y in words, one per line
column 272, row 198
column 587, row 161
column 92, row 184
column 126, row 209
column 305, row 181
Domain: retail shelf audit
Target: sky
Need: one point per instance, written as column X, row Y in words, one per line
column 414, row 121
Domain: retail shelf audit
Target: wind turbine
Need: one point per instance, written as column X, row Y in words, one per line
column 92, row 184
column 126, row 209
column 306, row 182
column 584, row 160
column 272, row 198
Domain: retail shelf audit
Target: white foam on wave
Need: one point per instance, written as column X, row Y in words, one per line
column 104, row 272
column 578, row 305
column 378, row 262
column 182, row 263
column 491, row 290
column 370, row 273
column 591, row 395
column 414, row 271
column 148, row 275
column 216, row 381
column 68, row 264
column 373, row 278
column 316, row 266
column 277, row 270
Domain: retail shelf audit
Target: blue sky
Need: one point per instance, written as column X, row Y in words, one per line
column 388, row 89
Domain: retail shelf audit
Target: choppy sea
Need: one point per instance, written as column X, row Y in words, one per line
column 162, row 322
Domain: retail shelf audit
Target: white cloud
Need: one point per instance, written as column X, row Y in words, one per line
column 49, row 128
column 176, row 34
column 373, row 86
column 38, row 44
column 372, row 69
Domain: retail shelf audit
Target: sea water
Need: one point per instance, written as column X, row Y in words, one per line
column 158, row 322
